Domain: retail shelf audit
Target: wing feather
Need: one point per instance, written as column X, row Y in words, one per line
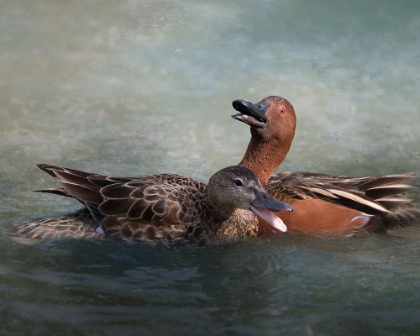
column 370, row 194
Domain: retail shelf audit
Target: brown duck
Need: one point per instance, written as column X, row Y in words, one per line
column 164, row 209
column 324, row 205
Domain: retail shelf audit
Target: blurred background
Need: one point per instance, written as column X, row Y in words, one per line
column 145, row 87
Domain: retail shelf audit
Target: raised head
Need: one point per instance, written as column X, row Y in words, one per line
column 272, row 117
column 238, row 187
column 273, row 123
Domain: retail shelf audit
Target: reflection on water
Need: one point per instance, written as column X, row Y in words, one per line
column 290, row 284
column 137, row 87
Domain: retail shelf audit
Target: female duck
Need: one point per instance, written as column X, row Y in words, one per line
column 324, row 205
column 165, row 209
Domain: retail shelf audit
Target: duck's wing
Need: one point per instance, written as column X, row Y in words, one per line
column 372, row 195
column 154, row 208
column 160, row 208
column 83, row 186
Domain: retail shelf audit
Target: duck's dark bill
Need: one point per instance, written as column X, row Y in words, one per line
column 251, row 114
column 264, row 200
column 262, row 205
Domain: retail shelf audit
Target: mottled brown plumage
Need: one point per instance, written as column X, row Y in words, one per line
column 324, row 205
column 165, row 209
column 79, row 224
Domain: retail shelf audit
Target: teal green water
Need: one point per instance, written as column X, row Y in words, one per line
column 145, row 87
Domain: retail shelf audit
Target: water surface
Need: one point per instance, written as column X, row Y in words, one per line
column 142, row 87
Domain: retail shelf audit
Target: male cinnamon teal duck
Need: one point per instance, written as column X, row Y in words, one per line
column 324, row 205
column 165, row 209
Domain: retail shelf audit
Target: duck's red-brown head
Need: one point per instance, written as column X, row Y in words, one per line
column 272, row 117
column 273, row 124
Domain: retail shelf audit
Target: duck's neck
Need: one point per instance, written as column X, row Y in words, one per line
column 264, row 156
column 229, row 226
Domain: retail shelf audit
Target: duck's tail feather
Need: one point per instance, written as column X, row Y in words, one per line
column 73, row 183
column 75, row 225
column 404, row 222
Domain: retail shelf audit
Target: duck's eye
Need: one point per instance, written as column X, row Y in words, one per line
column 238, row 182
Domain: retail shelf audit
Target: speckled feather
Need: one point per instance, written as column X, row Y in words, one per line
column 79, row 224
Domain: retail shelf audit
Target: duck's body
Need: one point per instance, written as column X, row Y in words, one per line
column 158, row 209
column 324, row 205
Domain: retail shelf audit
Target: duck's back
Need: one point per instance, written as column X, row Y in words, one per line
column 158, row 209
